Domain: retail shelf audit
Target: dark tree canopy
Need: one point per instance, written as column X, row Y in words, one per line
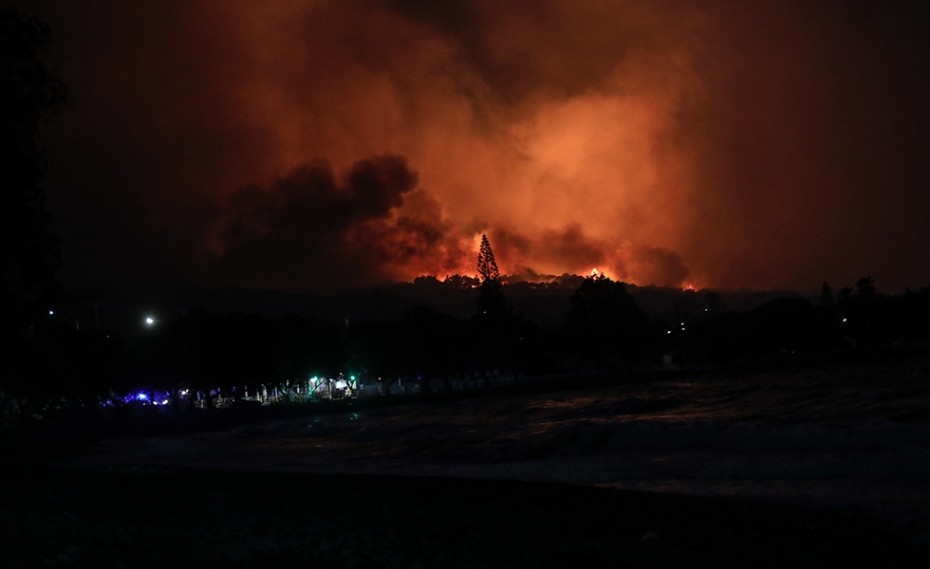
column 604, row 323
column 29, row 254
column 826, row 295
column 28, row 94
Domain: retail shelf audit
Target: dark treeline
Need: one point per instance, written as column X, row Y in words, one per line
column 857, row 321
column 603, row 331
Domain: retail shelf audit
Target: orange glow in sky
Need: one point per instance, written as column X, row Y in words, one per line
column 332, row 144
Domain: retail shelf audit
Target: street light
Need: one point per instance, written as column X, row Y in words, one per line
column 150, row 320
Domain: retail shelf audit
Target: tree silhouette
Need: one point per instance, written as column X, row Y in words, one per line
column 604, row 323
column 865, row 314
column 826, row 296
column 487, row 266
column 491, row 301
column 494, row 326
column 865, row 287
column 29, row 93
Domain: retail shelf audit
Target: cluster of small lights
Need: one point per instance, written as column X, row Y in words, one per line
column 347, row 386
column 143, row 398
column 681, row 324
column 325, row 387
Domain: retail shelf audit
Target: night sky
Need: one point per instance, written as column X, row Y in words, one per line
column 320, row 146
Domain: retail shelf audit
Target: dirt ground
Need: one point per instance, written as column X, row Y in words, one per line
column 390, row 486
column 179, row 517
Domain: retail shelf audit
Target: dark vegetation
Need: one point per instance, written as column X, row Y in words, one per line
column 29, row 253
column 603, row 331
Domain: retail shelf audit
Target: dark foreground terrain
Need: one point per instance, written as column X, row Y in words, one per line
column 179, row 517
column 812, row 467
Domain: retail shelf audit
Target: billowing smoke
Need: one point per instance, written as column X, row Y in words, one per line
column 572, row 250
column 313, row 231
column 726, row 144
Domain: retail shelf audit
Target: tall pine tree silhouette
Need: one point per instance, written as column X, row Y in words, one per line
column 494, row 324
column 487, row 266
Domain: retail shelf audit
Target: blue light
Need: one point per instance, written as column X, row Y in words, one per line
column 141, row 396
